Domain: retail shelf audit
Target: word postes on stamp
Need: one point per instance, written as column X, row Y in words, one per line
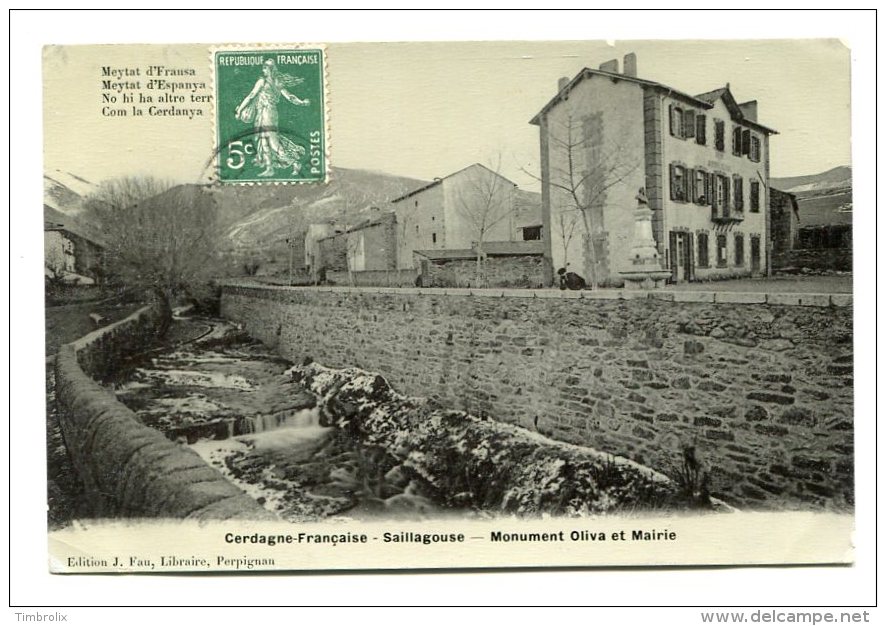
column 270, row 115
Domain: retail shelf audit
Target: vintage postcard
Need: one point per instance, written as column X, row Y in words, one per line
column 448, row 305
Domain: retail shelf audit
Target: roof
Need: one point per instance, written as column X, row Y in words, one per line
column 437, row 181
column 55, row 220
column 832, row 209
column 490, row 248
column 384, row 217
column 705, row 100
column 777, row 197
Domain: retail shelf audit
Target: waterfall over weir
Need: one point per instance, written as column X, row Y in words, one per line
column 302, row 418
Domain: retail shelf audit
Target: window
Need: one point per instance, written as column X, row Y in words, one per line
column 720, row 194
column 719, row 135
column 679, row 183
column 755, row 196
column 688, row 124
column 738, row 193
column 701, row 187
column 433, row 237
column 754, row 154
column 703, row 252
column 682, row 122
column 676, row 121
column 721, row 250
column 736, row 140
column 739, row 249
column 701, row 130
column 532, row 233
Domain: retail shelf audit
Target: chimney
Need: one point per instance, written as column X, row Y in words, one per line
column 562, row 82
column 610, row 66
column 749, row 110
column 630, row 65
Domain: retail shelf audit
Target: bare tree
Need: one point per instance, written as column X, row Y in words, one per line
column 583, row 168
column 483, row 202
column 157, row 236
column 567, row 221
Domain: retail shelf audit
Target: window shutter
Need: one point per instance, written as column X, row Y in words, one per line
column 700, row 129
column 739, row 193
column 746, row 142
column 689, row 123
column 713, row 183
column 690, row 186
column 726, row 203
column 671, row 122
column 672, row 186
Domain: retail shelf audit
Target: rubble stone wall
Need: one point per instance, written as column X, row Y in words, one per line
column 758, row 387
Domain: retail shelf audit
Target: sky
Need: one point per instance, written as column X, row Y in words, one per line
column 425, row 110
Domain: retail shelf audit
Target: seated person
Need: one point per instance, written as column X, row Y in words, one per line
column 571, row 280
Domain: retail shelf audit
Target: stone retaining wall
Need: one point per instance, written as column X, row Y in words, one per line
column 128, row 469
column 758, row 387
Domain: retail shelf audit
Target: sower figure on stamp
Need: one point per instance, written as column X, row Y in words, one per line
column 272, row 148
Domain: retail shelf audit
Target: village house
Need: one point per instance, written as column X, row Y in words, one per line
column 470, row 206
column 466, row 215
column 702, row 159
column 71, row 252
column 784, row 221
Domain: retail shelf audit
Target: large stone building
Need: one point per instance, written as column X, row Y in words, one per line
column 703, row 159
column 456, row 211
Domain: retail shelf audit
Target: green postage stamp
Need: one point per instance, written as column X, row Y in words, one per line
column 270, row 115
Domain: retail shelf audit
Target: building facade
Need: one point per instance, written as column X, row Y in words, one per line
column 703, row 160
column 71, row 253
column 784, row 221
column 456, row 211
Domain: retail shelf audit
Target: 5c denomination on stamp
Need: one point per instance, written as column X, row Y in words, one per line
column 270, row 115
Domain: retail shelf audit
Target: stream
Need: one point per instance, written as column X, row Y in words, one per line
column 231, row 400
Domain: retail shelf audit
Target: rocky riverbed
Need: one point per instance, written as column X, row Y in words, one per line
column 309, row 442
column 234, row 402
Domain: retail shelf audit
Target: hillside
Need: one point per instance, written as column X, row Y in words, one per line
column 264, row 215
column 259, row 215
column 823, row 199
column 65, row 192
column 832, row 179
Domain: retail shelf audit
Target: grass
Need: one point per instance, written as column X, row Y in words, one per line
column 68, row 322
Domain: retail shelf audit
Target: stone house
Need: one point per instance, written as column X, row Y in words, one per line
column 71, row 251
column 372, row 244
column 450, row 212
column 703, row 160
column 333, row 252
column 784, row 221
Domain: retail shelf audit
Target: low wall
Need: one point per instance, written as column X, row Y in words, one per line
column 374, row 278
column 525, row 272
column 758, row 387
column 815, row 258
column 128, row 469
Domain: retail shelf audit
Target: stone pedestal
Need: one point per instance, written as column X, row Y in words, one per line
column 646, row 271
